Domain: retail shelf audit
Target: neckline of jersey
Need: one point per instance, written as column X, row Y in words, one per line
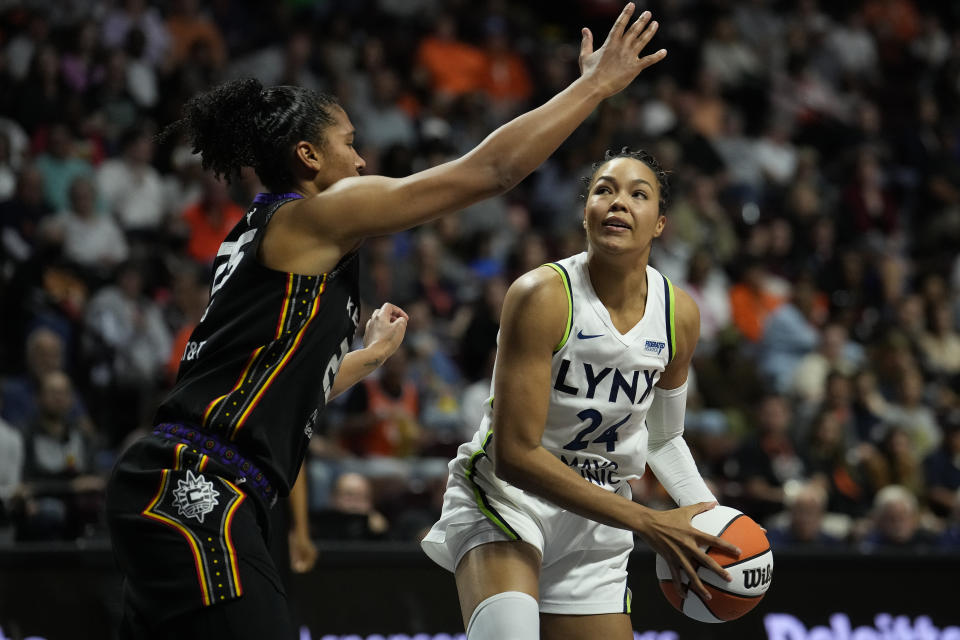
column 266, row 198
column 601, row 310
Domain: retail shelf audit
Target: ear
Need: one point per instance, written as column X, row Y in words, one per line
column 308, row 155
column 661, row 222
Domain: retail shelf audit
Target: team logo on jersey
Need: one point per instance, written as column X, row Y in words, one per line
column 195, row 497
column 654, row 346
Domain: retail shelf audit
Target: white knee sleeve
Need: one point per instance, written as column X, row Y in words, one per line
column 511, row 615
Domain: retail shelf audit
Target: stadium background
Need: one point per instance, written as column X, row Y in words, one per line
column 814, row 153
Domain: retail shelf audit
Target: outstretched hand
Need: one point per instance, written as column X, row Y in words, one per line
column 615, row 64
column 678, row 542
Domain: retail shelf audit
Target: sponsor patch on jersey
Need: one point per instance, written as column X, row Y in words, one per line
column 654, row 346
column 195, row 497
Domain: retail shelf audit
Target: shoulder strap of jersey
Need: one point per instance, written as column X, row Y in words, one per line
column 670, row 304
column 565, row 277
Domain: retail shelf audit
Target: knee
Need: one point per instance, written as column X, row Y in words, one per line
column 511, row 615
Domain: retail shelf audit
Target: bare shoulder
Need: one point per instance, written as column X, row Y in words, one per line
column 536, row 307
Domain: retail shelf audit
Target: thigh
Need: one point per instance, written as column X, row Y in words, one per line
column 610, row 626
column 493, row 568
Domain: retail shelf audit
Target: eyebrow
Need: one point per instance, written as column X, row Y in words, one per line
column 614, row 181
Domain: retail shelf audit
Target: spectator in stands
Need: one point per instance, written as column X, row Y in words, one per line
column 58, row 468
column 790, row 332
column 90, row 239
column 841, row 469
column 835, row 353
column 60, row 166
column 11, row 473
column 44, row 354
column 752, row 301
column 21, row 217
column 942, row 472
column 187, row 27
column 452, row 67
column 130, row 185
column 804, row 524
column 137, row 14
column 382, row 412
column 128, row 344
column 351, row 515
column 940, row 344
column 912, row 413
column 896, row 523
column 209, row 221
column 507, row 82
column 767, row 459
column 708, row 286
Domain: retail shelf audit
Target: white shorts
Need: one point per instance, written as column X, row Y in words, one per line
column 583, row 563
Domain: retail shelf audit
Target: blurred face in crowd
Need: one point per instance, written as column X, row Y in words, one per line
column 774, row 415
column 56, row 395
column 897, row 521
column 352, row 494
column 82, row 197
column 806, row 515
column 622, row 213
column 44, row 353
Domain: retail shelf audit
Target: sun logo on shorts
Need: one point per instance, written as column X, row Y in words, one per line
column 195, row 497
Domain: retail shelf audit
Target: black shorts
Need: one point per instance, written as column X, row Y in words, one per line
column 192, row 546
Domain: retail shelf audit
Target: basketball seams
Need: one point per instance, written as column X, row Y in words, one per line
column 742, row 560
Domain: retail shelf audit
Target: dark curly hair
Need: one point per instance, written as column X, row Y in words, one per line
column 643, row 157
column 242, row 124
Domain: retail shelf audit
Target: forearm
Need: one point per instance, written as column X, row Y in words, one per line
column 541, row 473
column 676, row 470
column 517, row 148
column 299, row 504
column 355, row 367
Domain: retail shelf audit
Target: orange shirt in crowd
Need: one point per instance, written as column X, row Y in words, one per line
column 507, row 77
column 455, row 67
column 750, row 309
column 184, row 32
column 206, row 233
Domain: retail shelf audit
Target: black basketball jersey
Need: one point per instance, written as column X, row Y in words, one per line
column 259, row 366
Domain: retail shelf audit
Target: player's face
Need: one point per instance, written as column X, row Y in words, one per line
column 623, row 207
column 340, row 159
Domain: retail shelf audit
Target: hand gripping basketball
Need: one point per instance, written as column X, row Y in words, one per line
column 751, row 570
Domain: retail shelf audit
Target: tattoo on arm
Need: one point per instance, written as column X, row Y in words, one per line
column 373, row 364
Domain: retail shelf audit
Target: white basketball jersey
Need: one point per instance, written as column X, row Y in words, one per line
column 601, row 382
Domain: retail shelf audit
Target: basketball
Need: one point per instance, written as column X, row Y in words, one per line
column 752, row 572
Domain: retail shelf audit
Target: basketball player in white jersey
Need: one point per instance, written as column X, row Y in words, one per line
column 589, row 386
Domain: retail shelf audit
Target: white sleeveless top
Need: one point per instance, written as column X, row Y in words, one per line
column 601, row 383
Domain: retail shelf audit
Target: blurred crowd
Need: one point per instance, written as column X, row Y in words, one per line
column 814, row 153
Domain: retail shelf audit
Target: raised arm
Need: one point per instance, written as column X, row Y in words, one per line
column 531, row 325
column 357, row 207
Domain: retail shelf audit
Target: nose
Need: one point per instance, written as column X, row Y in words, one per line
column 617, row 204
column 359, row 162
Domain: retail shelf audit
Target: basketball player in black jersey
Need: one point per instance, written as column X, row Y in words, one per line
column 187, row 505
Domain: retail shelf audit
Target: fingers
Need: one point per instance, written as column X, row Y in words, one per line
column 676, row 577
column 586, row 43
column 393, row 311
column 700, row 507
column 647, row 35
column 618, row 27
column 637, row 28
column 652, row 59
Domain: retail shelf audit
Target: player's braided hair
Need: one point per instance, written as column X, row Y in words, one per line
column 642, row 156
column 242, row 124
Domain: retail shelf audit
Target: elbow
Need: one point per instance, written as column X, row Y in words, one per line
column 510, row 469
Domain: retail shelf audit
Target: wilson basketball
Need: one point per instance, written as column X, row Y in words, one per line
column 751, row 572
